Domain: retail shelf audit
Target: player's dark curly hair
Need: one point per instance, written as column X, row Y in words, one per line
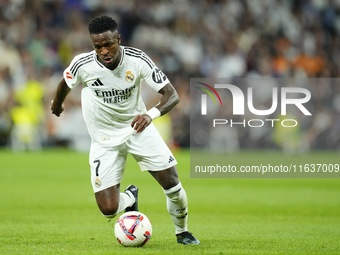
column 102, row 24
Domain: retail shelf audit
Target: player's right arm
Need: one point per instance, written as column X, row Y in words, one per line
column 70, row 79
column 57, row 106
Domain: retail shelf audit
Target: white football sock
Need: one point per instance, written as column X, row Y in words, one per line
column 177, row 204
column 124, row 201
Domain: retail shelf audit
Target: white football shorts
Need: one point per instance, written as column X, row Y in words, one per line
column 147, row 148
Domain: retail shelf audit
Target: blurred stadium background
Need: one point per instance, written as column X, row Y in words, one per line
column 187, row 38
column 47, row 205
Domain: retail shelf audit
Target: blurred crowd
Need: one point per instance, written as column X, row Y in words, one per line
column 185, row 38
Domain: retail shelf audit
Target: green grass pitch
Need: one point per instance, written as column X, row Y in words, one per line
column 47, row 207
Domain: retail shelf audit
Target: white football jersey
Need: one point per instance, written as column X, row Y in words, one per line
column 111, row 99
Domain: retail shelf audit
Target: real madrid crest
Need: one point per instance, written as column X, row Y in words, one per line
column 97, row 183
column 129, row 77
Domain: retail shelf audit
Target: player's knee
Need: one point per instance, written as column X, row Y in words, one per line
column 167, row 178
column 109, row 210
column 108, row 201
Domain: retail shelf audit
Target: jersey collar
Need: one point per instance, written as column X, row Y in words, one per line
column 123, row 54
column 95, row 56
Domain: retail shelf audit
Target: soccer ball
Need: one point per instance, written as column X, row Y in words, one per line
column 133, row 229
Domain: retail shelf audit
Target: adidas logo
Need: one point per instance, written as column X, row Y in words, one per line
column 171, row 159
column 180, row 210
column 97, row 83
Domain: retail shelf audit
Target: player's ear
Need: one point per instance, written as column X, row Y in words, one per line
column 119, row 39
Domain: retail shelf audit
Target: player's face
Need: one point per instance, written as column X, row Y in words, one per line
column 107, row 46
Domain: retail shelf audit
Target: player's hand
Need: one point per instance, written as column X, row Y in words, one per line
column 56, row 110
column 140, row 122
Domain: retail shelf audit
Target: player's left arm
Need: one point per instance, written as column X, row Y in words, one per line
column 168, row 101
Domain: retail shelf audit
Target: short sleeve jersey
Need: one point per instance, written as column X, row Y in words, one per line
column 111, row 99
